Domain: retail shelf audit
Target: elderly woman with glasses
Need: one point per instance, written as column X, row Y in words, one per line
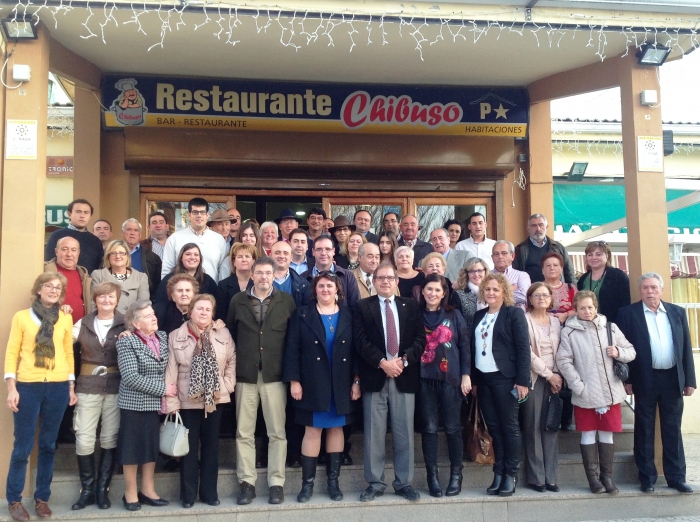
column 610, row 285
column 117, row 269
column 541, row 446
column 319, row 364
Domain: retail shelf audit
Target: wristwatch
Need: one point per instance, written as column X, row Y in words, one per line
column 405, row 362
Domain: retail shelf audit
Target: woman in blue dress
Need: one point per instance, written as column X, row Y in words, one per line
column 319, row 364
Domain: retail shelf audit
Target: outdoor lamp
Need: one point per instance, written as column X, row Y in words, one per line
column 16, row 30
column 578, row 169
column 675, row 249
column 653, row 54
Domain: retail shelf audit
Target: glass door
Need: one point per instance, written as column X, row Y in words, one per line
column 376, row 206
column 433, row 212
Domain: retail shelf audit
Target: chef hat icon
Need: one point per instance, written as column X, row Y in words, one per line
column 126, row 84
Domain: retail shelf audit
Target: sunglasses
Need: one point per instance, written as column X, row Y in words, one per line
column 327, row 274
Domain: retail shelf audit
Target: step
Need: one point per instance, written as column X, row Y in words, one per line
column 472, row 505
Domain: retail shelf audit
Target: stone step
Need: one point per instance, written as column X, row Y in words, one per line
column 573, row 503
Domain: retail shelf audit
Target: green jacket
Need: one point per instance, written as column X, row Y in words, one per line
column 256, row 343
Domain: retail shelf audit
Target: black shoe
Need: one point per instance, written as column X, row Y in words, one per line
column 433, row 483
column 131, row 506
column 538, row 488
column 346, row 460
column 680, row 486
column 276, row 495
column 214, row 502
column 246, row 493
column 647, row 487
column 86, row 471
column 408, row 493
column 370, row 494
column 454, row 487
column 187, row 504
column 552, row 487
column 156, row 502
column 495, row 486
column 507, row 487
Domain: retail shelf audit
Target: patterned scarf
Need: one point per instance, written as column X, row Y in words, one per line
column 204, row 370
column 44, row 349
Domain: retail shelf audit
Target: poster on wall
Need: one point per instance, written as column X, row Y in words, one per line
column 21, row 140
column 650, row 153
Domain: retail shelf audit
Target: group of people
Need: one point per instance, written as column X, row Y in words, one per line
column 324, row 326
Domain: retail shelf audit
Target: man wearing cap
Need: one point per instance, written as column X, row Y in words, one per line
column 340, row 231
column 287, row 222
column 235, row 217
column 363, row 222
column 220, row 223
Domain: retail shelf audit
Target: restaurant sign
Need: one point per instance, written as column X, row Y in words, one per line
column 196, row 103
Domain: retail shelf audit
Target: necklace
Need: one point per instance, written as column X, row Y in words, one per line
column 485, row 330
column 327, row 317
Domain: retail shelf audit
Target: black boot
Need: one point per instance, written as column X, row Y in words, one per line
column 105, row 471
column 495, row 486
column 86, row 470
column 507, row 486
column 308, row 475
column 455, row 485
column 333, row 473
column 433, row 482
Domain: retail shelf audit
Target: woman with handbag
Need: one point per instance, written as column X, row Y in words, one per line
column 541, row 441
column 202, row 364
column 501, row 355
column 586, row 358
column 445, row 379
column 142, row 358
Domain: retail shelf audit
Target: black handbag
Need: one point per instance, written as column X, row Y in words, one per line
column 555, row 406
column 621, row 370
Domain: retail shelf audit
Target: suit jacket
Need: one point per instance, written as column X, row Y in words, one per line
column 347, row 279
column 511, row 343
column 372, row 238
column 306, row 361
column 228, row 287
column 631, row 321
column 370, row 344
column 151, row 265
column 420, row 250
column 455, row 262
column 362, row 284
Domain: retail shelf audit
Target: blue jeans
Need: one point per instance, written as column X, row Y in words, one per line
column 49, row 401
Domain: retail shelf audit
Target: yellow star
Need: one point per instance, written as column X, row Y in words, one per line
column 501, row 112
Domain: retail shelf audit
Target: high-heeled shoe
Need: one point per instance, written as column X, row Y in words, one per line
column 131, row 506
column 157, row 502
column 495, row 485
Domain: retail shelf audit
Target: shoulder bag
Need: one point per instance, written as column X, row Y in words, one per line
column 621, row 370
column 174, row 440
column 478, row 444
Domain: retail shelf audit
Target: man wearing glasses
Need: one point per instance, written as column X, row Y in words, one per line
column 529, row 252
column 235, row 225
column 391, row 223
column 211, row 244
column 324, row 251
column 390, row 338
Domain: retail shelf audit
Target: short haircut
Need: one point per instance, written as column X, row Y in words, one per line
column 82, row 202
column 384, row 265
column 390, row 214
column 203, row 297
column 508, row 297
column 584, row 294
column 476, row 214
column 536, row 216
column 197, row 202
column 264, row 260
column 47, row 277
column 239, row 248
column 157, row 213
column 102, row 221
column 550, row 255
column 463, row 279
column 316, row 211
column 267, row 224
column 330, row 276
column 511, row 248
column 105, row 288
column 533, row 288
column 299, row 231
column 650, row 275
column 436, row 278
column 364, row 247
column 403, row 249
column 408, row 215
column 361, row 210
column 441, row 230
column 66, row 238
column 179, row 278
column 113, row 245
column 323, row 238
column 131, row 220
column 599, row 245
column 429, row 257
column 133, row 313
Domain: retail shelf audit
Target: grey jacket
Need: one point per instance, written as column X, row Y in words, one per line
column 134, row 287
column 583, row 362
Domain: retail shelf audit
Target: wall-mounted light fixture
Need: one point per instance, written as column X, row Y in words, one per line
column 578, row 169
column 17, row 30
column 653, row 55
column 675, row 251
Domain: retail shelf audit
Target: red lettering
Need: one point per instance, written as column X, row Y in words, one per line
column 378, row 111
column 452, row 113
column 419, row 113
column 354, row 110
column 435, row 113
column 402, row 110
column 390, row 110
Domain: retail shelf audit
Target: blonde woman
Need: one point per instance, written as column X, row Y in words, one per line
column 349, row 257
column 117, row 269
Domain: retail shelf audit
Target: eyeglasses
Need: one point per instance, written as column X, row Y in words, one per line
column 233, row 221
column 342, row 229
column 51, row 287
column 476, row 272
column 541, row 296
column 600, row 243
column 385, row 279
column 198, row 212
column 117, row 254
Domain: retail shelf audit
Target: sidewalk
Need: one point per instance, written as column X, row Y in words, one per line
column 691, row 445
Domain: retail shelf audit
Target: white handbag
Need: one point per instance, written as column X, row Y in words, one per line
column 174, row 440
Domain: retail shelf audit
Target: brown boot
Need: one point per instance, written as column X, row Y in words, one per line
column 17, row 511
column 606, row 453
column 589, row 452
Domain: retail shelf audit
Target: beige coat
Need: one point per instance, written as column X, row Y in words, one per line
column 538, row 368
column 588, row 370
column 135, row 287
column 181, row 346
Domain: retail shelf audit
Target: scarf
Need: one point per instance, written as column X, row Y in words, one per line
column 204, row 370
column 44, row 349
column 474, row 289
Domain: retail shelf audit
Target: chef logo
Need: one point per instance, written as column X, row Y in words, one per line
column 129, row 107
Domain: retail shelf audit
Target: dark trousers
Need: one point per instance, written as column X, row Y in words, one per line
column 440, row 398
column 37, row 400
column 500, row 410
column 199, row 469
column 295, row 432
column 664, row 392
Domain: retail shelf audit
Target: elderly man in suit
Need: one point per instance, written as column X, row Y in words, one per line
column 409, row 237
column 390, row 338
column 368, row 257
column 454, row 259
column 661, row 375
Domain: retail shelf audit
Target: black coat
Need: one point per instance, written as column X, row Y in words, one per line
column 633, row 324
column 614, row 292
column 370, row 344
column 161, row 299
column 152, row 266
column 227, row 289
column 420, row 250
column 511, row 343
column 306, row 361
column 350, row 289
column 372, row 238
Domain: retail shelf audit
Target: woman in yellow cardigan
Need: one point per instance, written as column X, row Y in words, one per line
column 39, row 374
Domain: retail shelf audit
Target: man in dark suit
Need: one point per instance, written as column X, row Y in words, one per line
column 390, row 338
column 661, row 374
column 324, row 251
column 363, row 221
column 409, row 237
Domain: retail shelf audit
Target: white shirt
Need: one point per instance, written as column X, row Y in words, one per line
column 211, row 244
column 660, row 338
column 395, row 311
column 485, row 363
column 483, row 250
